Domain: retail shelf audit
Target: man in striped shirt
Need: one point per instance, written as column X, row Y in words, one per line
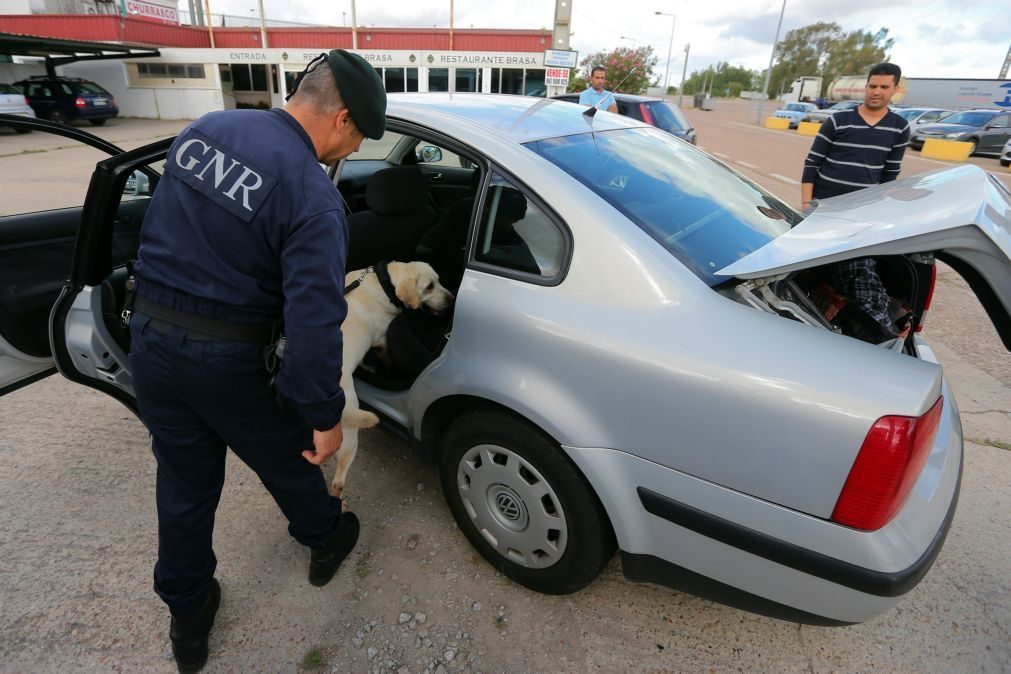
column 853, row 149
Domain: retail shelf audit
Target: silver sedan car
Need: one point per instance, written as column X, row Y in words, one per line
column 648, row 352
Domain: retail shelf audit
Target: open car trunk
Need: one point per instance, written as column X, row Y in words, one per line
column 960, row 216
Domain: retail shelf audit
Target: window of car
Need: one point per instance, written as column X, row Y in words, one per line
column 1000, row 122
column 516, row 234
column 8, row 89
column 92, row 88
column 377, row 149
column 796, row 107
column 668, row 117
column 700, row 211
column 971, row 118
column 934, row 115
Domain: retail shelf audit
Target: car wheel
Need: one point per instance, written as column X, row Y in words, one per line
column 97, row 122
column 57, row 116
column 523, row 504
column 1005, row 162
column 972, row 147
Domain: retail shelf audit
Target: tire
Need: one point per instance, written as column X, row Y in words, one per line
column 57, row 116
column 97, row 122
column 973, row 145
column 1005, row 162
column 502, row 476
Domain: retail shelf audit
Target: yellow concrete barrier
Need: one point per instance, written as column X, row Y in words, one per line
column 808, row 128
column 951, row 150
column 781, row 123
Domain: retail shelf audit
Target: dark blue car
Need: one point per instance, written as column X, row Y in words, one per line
column 64, row 99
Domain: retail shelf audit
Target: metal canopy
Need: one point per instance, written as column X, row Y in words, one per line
column 59, row 52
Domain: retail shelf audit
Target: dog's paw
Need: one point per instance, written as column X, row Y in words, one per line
column 337, row 490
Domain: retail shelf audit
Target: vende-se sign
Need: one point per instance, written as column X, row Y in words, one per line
column 557, row 77
column 151, row 10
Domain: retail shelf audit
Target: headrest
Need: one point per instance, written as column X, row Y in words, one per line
column 396, row 190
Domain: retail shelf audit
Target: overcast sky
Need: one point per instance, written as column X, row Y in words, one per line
column 933, row 38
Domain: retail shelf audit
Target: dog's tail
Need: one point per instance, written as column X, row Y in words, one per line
column 357, row 418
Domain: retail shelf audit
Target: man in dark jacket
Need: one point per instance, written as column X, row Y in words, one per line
column 246, row 233
column 854, row 149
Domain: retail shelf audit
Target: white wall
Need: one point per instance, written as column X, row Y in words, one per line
column 151, row 102
column 15, row 7
column 12, row 72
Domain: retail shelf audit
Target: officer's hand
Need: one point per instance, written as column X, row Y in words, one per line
column 326, row 443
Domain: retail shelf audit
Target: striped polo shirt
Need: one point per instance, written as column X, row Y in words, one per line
column 849, row 154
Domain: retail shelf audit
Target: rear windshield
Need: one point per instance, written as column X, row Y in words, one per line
column 668, row 117
column 700, row 211
column 92, row 88
column 907, row 113
column 8, row 89
column 797, row 107
column 970, row 118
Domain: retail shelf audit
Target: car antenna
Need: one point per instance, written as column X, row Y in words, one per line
column 593, row 111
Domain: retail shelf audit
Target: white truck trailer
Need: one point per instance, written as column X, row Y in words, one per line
column 803, row 89
column 927, row 92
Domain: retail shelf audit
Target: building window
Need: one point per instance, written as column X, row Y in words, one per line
column 438, row 79
column 193, row 71
column 533, row 84
column 468, row 79
column 512, row 81
column 412, row 79
column 249, row 77
column 394, row 80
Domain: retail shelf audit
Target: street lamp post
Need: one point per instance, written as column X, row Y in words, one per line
column 674, row 20
column 684, row 70
column 768, row 73
column 632, row 39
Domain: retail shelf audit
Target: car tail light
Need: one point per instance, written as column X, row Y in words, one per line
column 888, row 464
column 646, row 116
column 80, row 102
column 26, row 101
column 930, row 298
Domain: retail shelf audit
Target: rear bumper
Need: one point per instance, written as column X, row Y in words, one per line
column 677, row 530
column 97, row 113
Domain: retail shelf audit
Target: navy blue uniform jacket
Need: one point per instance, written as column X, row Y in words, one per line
column 245, row 226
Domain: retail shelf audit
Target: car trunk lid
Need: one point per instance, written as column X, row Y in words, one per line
column 961, row 215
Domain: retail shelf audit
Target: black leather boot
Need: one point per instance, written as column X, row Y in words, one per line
column 326, row 559
column 189, row 633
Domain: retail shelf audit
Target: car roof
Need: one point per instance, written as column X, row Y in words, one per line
column 631, row 98
column 520, row 118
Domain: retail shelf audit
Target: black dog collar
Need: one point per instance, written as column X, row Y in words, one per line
column 383, row 274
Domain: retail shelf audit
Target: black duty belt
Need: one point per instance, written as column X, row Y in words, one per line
column 261, row 333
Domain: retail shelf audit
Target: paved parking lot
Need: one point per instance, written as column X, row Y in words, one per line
column 78, row 541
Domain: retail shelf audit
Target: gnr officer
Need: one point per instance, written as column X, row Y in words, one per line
column 245, row 230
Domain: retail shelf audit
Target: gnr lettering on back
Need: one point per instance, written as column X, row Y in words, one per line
column 221, row 175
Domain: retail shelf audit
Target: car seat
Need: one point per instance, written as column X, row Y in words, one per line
column 398, row 216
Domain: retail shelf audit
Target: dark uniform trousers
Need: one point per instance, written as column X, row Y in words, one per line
column 199, row 395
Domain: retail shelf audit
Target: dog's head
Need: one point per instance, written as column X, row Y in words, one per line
column 417, row 285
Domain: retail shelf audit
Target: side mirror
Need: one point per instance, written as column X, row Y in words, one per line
column 138, row 184
column 428, row 154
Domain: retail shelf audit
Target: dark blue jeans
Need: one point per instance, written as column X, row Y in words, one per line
column 197, row 397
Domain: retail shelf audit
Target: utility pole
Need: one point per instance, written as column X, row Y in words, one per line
column 666, row 72
column 450, row 25
column 354, row 26
column 559, row 38
column 263, row 27
column 684, row 70
column 768, row 73
column 1007, row 63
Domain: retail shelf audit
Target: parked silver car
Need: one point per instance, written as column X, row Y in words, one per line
column 13, row 102
column 645, row 353
column 823, row 114
column 917, row 117
column 796, row 113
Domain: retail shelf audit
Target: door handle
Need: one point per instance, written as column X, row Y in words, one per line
column 435, row 177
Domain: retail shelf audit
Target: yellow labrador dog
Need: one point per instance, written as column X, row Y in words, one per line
column 377, row 295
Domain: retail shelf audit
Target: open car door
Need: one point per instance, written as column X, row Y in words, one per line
column 37, row 235
column 961, row 216
column 90, row 340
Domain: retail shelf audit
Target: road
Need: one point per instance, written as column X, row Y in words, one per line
column 78, row 541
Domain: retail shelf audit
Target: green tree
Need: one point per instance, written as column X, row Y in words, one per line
column 855, row 54
column 722, row 77
column 803, row 52
column 823, row 49
column 619, row 62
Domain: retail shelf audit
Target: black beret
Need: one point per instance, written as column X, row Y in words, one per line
column 362, row 90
